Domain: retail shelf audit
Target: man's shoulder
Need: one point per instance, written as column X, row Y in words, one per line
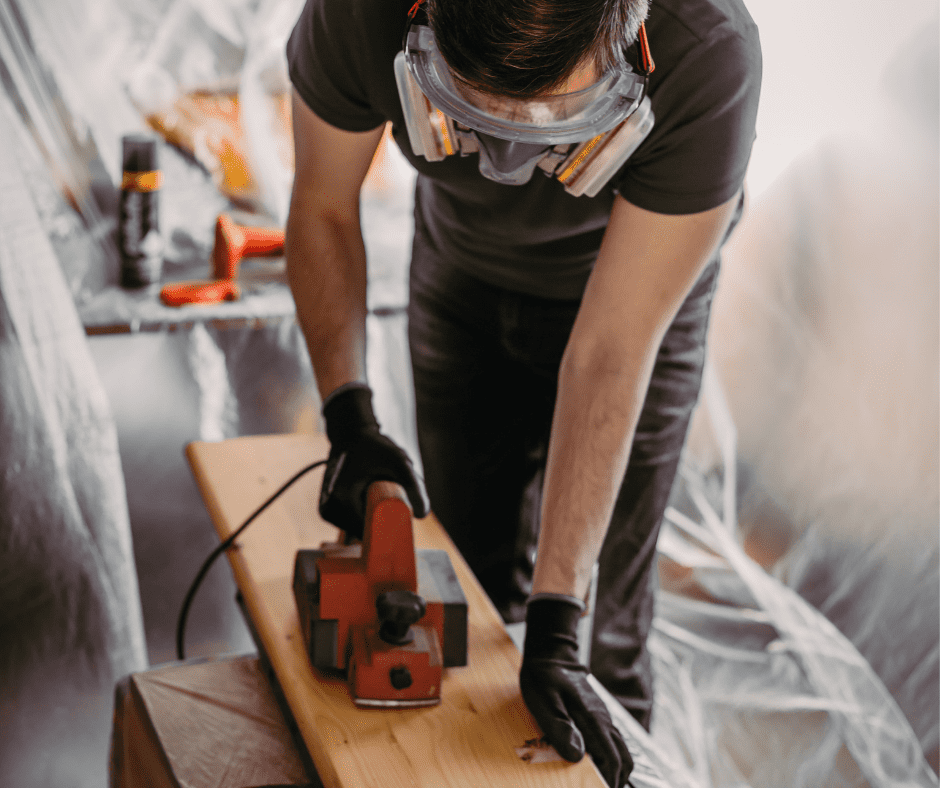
column 359, row 23
column 699, row 41
column 385, row 18
column 706, row 21
column 340, row 55
column 705, row 91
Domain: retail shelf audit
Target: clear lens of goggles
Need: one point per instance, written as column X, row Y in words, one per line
column 570, row 117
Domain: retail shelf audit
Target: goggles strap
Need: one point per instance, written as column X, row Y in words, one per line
column 443, row 125
column 409, row 21
column 647, row 66
column 563, row 176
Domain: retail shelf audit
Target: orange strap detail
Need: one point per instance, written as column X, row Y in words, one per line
column 141, row 181
column 646, row 59
column 445, row 135
column 581, row 157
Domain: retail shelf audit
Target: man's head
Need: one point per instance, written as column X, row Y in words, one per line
column 530, row 48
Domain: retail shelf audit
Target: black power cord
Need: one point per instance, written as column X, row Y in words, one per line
column 225, row 545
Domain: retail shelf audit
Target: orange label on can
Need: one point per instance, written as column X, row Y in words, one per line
column 142, row 181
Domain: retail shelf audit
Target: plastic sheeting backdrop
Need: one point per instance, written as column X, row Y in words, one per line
column 71, row 617
column 755, row 687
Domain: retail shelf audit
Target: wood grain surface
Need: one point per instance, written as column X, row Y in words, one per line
column 476, row 737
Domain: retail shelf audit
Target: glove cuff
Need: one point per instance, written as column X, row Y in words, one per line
column 560, row 597
column 348, row 411
column 552, row 626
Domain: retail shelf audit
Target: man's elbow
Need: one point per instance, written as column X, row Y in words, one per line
column 606, row 359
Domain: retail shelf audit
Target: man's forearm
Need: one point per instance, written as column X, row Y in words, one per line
column 646, row 267
column 326, row 269
column 596, row 412
column 326, row 259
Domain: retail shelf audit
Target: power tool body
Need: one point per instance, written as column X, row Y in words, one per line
column 392, row 618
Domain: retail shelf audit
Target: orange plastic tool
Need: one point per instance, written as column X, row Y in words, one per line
column 181, row 293
column 233, row 242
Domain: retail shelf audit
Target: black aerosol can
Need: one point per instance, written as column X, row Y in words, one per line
column 139, row 236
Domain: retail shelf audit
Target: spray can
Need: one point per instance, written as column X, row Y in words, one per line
column 139, row 238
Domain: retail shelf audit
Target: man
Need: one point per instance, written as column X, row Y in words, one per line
column 557, row 341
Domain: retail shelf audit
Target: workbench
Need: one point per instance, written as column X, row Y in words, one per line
column 201, row 724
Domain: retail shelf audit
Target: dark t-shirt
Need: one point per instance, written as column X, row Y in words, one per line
column 536, row 238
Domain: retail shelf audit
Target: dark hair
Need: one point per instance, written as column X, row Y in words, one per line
column 526, row 48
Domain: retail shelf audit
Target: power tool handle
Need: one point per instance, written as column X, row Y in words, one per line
column 381, row 491
column 388, row 546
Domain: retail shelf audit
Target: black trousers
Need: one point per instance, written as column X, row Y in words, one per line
column 485, row 363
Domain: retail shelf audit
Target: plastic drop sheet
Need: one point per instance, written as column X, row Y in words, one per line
column 825, row 333
column 754, row 686
column 209, row 75
column 67, row 578
column 212, row 79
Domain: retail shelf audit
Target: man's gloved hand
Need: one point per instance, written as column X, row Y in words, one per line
column 555, row 688
column 360, row 455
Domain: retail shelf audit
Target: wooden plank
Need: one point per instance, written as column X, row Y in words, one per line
column 470, row 739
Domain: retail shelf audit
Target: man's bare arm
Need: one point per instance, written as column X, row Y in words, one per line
column 326, row 259
column 646, row 266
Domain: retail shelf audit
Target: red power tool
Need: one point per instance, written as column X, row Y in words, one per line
column 390, row 617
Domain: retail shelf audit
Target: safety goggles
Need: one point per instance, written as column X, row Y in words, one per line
column 581, row 137
column 567, row 117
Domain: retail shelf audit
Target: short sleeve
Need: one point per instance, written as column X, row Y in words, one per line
column 325, row 64
column 705, row 116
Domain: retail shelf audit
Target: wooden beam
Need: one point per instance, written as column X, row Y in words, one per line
column 476, row 737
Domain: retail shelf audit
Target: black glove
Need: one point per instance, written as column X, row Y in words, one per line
column 360, row 455
column 555, row 688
